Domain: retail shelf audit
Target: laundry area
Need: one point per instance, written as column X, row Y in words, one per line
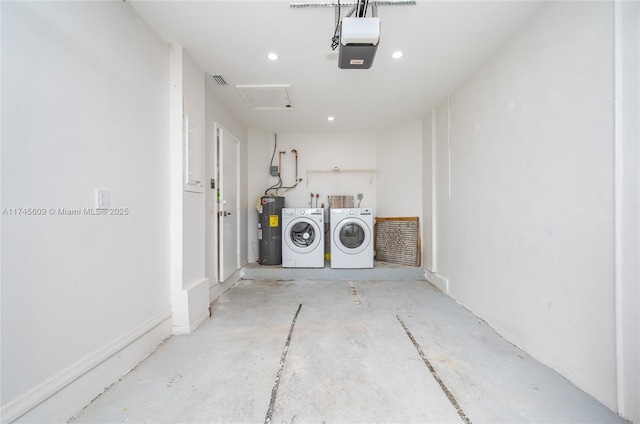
column 299, row 226
column 313, row 351
column 295, row 237
column 317, row 208
column 353, row 211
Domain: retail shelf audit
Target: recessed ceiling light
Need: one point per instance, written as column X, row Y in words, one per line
column 331, row 118
column 397, row 55
column 272, row 56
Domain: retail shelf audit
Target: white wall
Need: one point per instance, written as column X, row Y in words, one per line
column 84, row 105
column 399, row 171
column 524, row 193
column 316, row 152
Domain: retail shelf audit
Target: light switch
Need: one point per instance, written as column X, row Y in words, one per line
column 102, row 198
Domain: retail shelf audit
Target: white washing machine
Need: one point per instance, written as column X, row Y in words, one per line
column 351, row 238
column 302, row 238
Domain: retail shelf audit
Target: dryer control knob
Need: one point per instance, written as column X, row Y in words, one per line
column 352, row 212
column 302, row 212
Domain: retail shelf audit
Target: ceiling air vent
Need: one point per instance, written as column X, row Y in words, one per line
column 219, row 79
column 266, row 97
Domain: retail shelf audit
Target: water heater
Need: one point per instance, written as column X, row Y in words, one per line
column 270, row 230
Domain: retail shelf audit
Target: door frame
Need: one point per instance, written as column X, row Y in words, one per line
column 219, row 133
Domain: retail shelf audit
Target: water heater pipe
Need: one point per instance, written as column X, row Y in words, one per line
column 280, row 153
column 295, row 152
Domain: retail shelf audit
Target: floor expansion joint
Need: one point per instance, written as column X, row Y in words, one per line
column 274, row 391
column 444, row 388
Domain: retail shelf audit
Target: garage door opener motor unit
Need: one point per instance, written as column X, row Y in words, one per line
column 359, row 39
column 356, row 34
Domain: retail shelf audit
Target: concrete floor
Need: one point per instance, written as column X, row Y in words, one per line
column 342, row 351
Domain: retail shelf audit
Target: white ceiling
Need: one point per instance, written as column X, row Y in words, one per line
column 443, row 43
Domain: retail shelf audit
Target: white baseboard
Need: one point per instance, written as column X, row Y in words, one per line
column 63, row 395
column 193, row 303
column 217, row 289
column 203, row 316
column 437, row 280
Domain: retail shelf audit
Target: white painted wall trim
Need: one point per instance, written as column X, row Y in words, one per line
column 199, row 302
column 194, row 300
column 48, row 388
column 176, row 110
column 449, row 142
column 218, row 289
column 626, row 207
column 434, row 197
column 183, row 330
column 618, row 202
column 194, row 285
column 439, row 281
column 203, row 316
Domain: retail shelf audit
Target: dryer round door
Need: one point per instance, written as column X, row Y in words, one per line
column 302, row 235
column 352, row 235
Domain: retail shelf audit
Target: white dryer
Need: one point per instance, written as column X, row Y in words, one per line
column 351, row 238
column 302, row 238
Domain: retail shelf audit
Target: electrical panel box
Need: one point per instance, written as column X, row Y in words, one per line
column 274, row 171
column 193, row 151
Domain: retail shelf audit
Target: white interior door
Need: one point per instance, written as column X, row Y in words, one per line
column 228, row 205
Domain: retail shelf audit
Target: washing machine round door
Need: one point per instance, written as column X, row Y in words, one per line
column 302, row 235
column 352, row 235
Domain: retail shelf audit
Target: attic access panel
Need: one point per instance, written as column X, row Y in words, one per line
column 266, row 97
